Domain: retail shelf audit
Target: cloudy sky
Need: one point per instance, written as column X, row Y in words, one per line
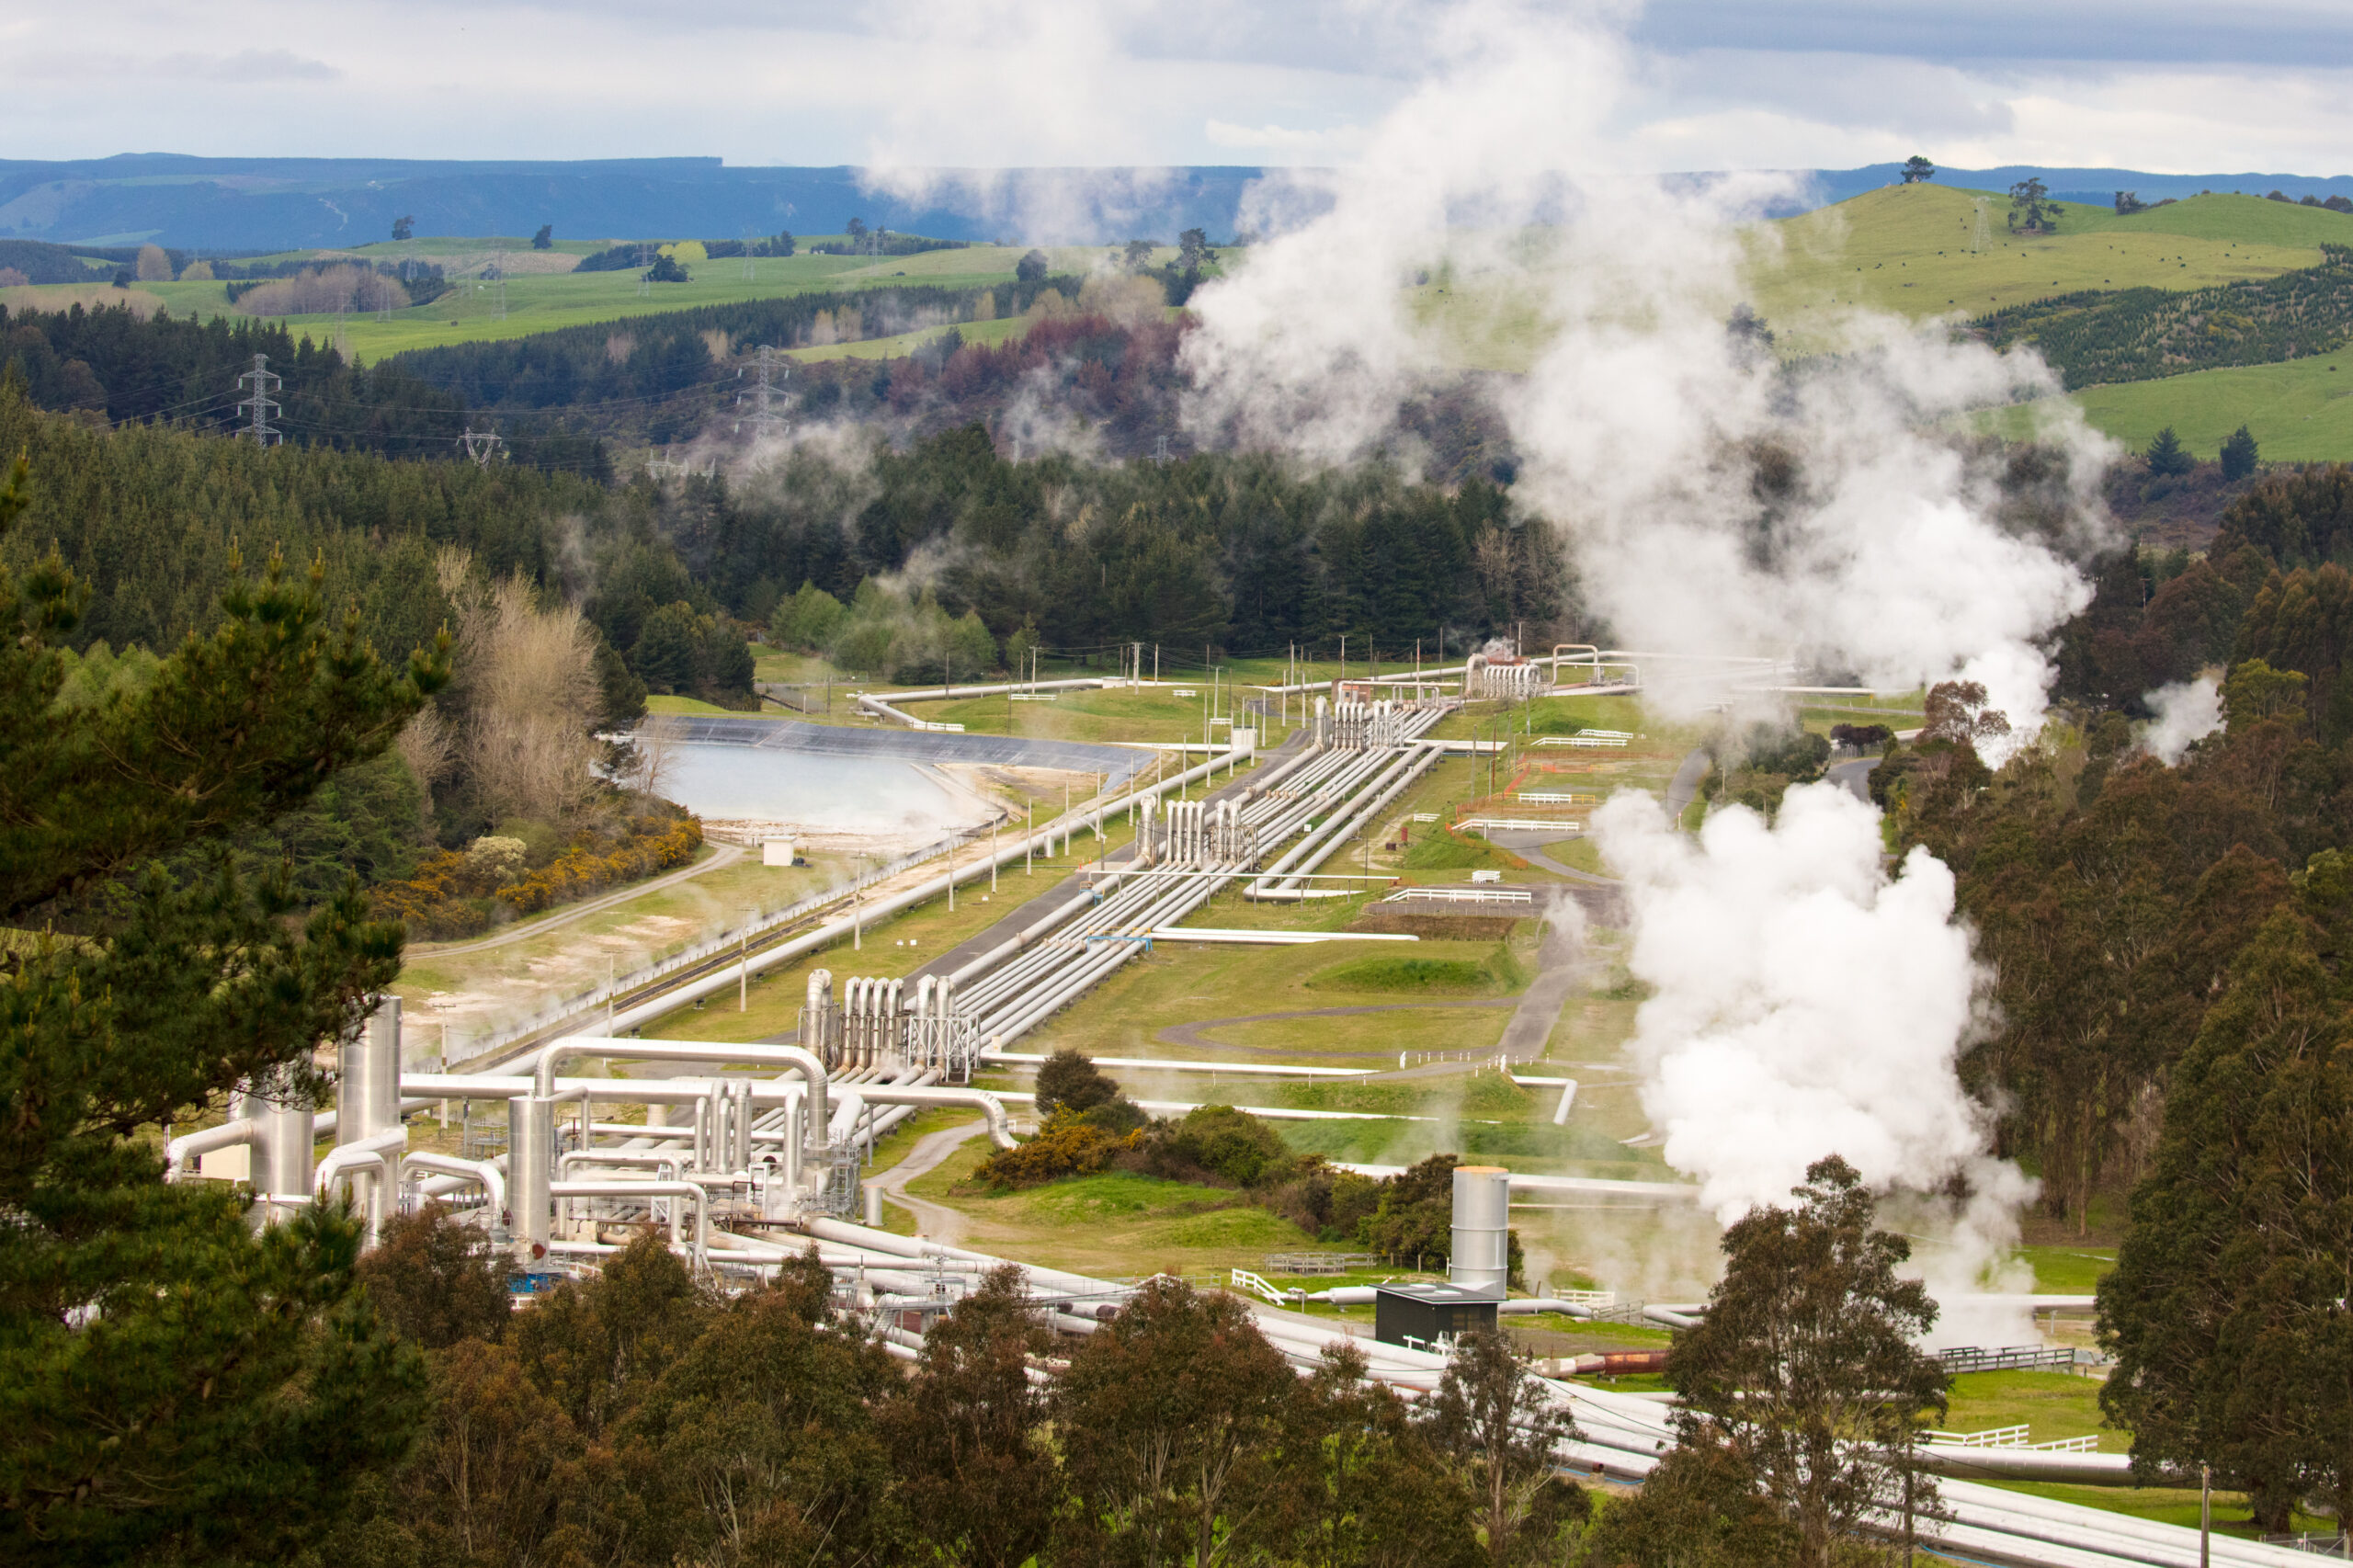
column 2170, row 85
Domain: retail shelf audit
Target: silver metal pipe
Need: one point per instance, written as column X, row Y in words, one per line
column 792, row 1058
column 493, row 1180
column 647, row 1189
column 188, row 1146
column 530, row 1149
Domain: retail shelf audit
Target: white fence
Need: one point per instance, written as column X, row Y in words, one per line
column 1461, row 895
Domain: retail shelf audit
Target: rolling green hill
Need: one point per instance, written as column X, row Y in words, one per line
column 1926, row 250
column 541, row 294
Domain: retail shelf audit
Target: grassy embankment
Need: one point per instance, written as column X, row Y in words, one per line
column 517, row 977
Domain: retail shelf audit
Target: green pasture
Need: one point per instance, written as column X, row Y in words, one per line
column 2300, row 411
column 1114, row 1225
column 542, row 300
column 1928, row 250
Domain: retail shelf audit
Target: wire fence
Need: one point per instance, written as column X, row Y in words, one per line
column 2015, row 1358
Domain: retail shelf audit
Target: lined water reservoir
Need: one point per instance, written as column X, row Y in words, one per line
column 752, row 777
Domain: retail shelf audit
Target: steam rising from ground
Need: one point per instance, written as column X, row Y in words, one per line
column 1807, row 1003
column 1643, row 424
column 2187, row 711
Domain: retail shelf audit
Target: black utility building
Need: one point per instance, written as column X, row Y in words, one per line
column 1421, row 1313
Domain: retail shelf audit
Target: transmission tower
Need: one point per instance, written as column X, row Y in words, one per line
column 481, row 445
column 502, row 285
column 765, row 420
column 259, row 406
column 750, row 276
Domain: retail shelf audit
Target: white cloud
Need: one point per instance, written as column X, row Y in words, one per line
column 1335, row 144
column 1093, row 83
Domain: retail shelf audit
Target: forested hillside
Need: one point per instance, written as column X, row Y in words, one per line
column 2135, row 335
column 2113, row 894
column 114, row 363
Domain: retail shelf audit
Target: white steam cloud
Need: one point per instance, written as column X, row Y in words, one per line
column 1641, row 415
column 2187, row 711
column 1806, row 1003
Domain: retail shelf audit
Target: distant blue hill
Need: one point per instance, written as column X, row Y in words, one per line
column 282, row 203
column 248, row 204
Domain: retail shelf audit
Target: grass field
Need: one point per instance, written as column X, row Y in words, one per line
column 536, row 301
column 1116, row 1224
column 1926, row 250
column 2052, row 1404
column 2301, row 411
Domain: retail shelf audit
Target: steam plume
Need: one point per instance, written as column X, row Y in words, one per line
column 1644, row 424
column 2187, row 711
column 1806, row 1004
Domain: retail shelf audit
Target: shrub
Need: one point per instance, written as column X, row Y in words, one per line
column 1067, row 1145
column 1070, row 1080
column 456, row 895
column 1231, row 1145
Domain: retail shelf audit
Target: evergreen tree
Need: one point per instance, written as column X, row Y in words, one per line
column 2227, row 1308
column 1804, row 1375
column 967, row 1436
column 1918, row 170
column 170, row 1383
column 2239, row 454
column 545, row 238
column 1168, row 1419
column 1502, row 1427
column 2166, row 457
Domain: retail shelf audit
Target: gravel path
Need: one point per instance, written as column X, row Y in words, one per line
column 934, row 1221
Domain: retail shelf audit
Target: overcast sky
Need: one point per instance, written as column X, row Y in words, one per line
column 2168, row 86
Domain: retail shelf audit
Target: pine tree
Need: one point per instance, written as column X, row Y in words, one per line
column 2227, row 1308
column 2239, row 454
column 2168, row 457
column 170, row 1384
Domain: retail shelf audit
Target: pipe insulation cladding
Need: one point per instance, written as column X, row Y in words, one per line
column 1482, row 1228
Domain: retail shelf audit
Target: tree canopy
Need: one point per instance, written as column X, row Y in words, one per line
column 167, row 1423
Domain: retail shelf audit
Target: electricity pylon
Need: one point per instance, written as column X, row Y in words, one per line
column 260, row 406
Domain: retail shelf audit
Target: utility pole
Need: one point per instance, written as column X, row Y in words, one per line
column 260, row 406
column 2206, row 1515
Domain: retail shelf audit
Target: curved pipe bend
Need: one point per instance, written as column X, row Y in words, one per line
column 792, row 1058
column 228, row 1135
column 493, row 1180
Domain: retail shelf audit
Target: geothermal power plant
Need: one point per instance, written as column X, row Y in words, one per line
column 751, row 1154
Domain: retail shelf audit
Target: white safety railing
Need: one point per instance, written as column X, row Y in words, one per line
column 1242, row 1279
column 1461, row 895
column 2011, row 1437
